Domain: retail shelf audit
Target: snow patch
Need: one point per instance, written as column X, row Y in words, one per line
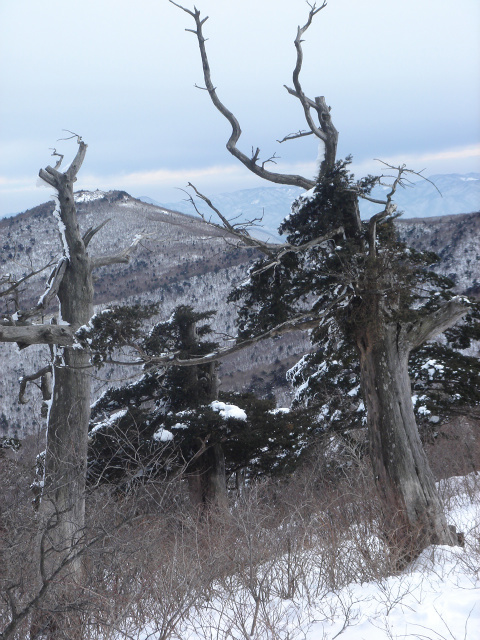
column 163, row 435
column 105, row 424
column 228, row 410
column 88, row 196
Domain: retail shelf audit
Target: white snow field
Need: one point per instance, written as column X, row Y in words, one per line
column 437, row 597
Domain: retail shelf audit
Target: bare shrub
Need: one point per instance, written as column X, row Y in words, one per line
column 154, row 565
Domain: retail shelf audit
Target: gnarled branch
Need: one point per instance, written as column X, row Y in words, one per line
column 274, row 252
column 26, row 335
column 54, row 178
column 12, row 284
column 46, row 385
column 437, row 322
column 239, row 231
column 300, row 323
column 88, row 235
column 249, row 162
column 327, row 132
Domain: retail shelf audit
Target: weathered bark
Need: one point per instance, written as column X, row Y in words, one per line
column 325, row 131
column 25, row 335
column 62, row 507
column 406, row 484
column 66, row 450
column 413, row 512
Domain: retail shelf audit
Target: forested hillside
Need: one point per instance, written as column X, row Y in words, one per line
column 183, row 261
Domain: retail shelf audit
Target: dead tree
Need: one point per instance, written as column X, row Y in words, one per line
column 411, row 504
column 62, row 507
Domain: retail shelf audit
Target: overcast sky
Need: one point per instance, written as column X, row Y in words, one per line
column 402, row 78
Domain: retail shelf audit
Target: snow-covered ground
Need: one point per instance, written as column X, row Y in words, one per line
column 435, row 598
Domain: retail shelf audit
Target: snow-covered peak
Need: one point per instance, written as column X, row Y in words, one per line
column 88, row 196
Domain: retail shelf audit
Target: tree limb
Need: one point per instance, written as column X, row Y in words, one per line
column 26, row 335
column 437, row 322
column 24, row 380
column 121, row 257
column 239, row 232
column 14, row 284
column 295, row 136
column 54, row 178
column 249, row 162
column 51, row 289
column 300, row 323
column 88, row 235
column 275, row 252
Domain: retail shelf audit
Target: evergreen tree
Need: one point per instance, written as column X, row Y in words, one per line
column 372, row 302
column 172, row 419
column 341, row 277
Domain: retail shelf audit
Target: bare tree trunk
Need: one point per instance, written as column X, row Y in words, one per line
column 58, row 555
column 66, row 450
column 62, row 507
column 413, row 513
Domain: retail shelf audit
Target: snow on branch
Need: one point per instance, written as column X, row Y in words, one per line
column 25, row 335
column 11, row 283
column 437, row 322
column 51, row 289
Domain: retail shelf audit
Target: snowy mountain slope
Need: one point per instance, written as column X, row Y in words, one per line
column 181, row 261
column 456, row 240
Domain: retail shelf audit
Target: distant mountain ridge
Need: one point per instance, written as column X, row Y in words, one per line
column 459, row 193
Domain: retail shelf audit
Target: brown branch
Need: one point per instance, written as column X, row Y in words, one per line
column 250, row 163
column 327, row 132
column 415, row 173
column 61, row 156
column 400, row 180
column 389, row 207
column 300, row 323
column 306, row 104
column 239, row 232
column 437, row 322
column 14, row 284
column 53, row 283
column 54, row 178
column 291, row 248
column 276, row 252
column 295, row 136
